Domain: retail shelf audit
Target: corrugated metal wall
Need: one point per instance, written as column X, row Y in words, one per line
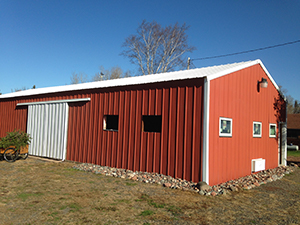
column 175, row 151
column 236, row 96
column 12, row 117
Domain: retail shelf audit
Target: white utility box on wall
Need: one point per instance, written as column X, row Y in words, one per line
column 258, row 164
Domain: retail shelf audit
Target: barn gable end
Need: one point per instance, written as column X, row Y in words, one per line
column 238, row 97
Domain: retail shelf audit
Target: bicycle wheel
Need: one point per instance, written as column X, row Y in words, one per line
column 10, row 155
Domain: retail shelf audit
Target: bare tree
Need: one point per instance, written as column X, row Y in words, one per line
column 19, row 89
column 128, row 73
column 157, row 49
column 102, row 75
column 293, row 106
column 98, row 76
column 77, row 78
column 114, row 73
column 296, row 107
column 290, row 104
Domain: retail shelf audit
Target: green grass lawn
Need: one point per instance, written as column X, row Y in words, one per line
column 293, row 153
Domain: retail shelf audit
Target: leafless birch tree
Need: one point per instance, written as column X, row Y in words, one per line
column 157, row 49
column 77, row 78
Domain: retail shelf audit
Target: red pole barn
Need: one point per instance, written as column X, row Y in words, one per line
column 210, row 124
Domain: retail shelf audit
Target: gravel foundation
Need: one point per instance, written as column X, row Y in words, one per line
column 247, row 182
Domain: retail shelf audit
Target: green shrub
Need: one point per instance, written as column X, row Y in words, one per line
column 16, row 138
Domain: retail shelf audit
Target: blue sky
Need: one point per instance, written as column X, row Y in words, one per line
column 43, row 42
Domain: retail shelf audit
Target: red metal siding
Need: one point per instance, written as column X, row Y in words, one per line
column 12, row 117
column 175, row 151
column 236, row 96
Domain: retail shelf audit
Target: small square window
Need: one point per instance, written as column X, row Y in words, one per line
column 225, row 127
column 257, row 129
column 151, row 123
column 272, row 130
column 110, row 122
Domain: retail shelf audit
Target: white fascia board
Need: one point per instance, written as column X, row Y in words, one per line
column 205, row 159
column 211, row 73
column 137, row 80
column 233, row 69
column 56, row 101
column 243, row 66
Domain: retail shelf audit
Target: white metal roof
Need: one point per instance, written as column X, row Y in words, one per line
column 209, row 72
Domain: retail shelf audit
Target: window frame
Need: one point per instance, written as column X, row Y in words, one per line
column 105, row 117
column 149, row 130
column 253, row 125
column 221, row 119
column 272, row 135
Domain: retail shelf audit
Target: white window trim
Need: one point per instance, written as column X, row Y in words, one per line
column 257, row 135
column 225, row 134
column 272, row 135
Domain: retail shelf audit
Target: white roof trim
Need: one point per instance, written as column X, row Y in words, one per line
column 243, row 66
column 269, row 75
column 56, row 101
column 209, row 72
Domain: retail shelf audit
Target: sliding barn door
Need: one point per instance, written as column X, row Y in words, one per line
column 48, row 126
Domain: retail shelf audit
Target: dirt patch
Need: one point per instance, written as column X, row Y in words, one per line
column 35, row 191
